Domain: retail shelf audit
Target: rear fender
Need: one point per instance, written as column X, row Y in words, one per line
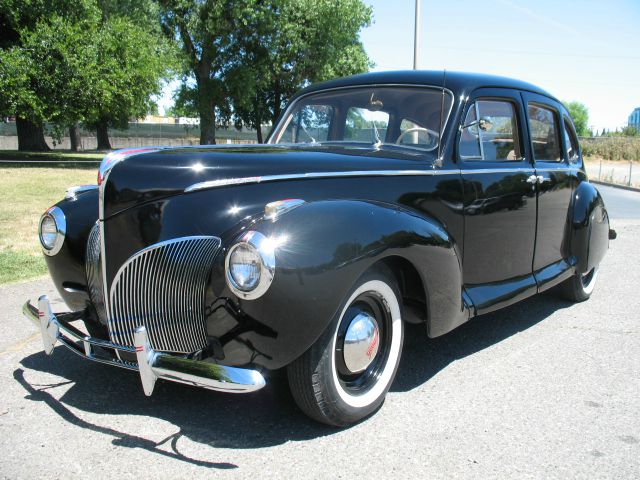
column 590, row 227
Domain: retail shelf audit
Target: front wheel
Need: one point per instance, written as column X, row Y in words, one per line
column 579, row 287
column 346, row 373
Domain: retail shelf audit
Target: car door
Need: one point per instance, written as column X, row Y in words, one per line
column 499, row 185
column 555, row 181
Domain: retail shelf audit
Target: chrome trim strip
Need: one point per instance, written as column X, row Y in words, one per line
column 471, row 171
column 314, row 175
column 151, row 365
column 559, row 169
column 225, row 182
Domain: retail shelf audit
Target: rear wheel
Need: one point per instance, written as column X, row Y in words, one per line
column 579, row 287
column 347, row 372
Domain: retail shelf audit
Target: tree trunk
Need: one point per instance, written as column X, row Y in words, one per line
column 74, row 137
column 207, row 126
column 206, row 108
column 30, row 136
column 102, row 133
column 256, row 109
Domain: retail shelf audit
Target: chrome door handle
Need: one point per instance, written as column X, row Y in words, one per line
column 542, row 179
column 532, row 179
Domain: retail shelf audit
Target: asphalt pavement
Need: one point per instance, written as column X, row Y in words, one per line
column 542, row 389
column 620, row 203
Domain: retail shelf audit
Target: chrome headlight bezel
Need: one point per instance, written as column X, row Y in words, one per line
column 57, row 215
column 265, row 250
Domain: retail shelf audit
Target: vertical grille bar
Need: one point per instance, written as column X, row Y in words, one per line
column 93, row 272
column 163, row 288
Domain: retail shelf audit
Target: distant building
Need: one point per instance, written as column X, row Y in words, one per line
column 634, row 119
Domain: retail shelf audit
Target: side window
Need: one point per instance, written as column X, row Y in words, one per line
column 543, row 125
column 362, row 125
column 573, row 150
column 490, row 132
column 310, row 124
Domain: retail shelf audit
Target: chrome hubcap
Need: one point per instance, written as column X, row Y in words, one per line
column 361, row 343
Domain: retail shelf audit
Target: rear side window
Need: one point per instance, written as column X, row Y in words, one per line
column 490, row 132
column 573, row 150
column 543, row 124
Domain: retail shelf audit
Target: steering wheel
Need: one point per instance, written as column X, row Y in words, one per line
column 432, row 137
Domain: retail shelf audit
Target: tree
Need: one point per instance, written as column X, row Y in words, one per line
column 131, row 64
column 580, row 115
column 300, row 42
column 21, row 86
column 245, row 58
column 96, row 68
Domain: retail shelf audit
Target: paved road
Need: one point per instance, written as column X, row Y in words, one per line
column 543, row 389
column 620, row 203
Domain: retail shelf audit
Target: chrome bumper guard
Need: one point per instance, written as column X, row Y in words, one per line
column 152, row 365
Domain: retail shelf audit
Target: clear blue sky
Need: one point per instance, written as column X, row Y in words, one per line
column 581, row 50
column 584, row 50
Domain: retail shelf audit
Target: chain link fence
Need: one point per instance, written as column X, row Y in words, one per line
column 137, row 135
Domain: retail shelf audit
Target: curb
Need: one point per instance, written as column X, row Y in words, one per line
column 615, row 185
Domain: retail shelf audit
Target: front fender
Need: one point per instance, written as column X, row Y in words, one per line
column 325, row 246
column 67, row 267
column 590, row 227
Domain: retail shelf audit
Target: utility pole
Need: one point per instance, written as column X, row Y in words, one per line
column 416, row 36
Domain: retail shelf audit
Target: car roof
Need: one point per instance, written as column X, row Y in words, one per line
column 457, row 82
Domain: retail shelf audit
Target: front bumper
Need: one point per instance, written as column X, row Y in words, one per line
column 152, row 365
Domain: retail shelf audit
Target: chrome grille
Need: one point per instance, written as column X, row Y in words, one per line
column 163, row 288
column 93, row 272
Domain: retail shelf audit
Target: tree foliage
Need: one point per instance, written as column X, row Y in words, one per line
column 245, row 58
column 89, row 64
column 580, row 115
column 300, row 42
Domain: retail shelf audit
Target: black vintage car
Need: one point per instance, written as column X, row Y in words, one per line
column 379, row 199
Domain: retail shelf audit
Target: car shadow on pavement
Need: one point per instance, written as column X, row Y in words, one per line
column 424, row 357
column 261, row 419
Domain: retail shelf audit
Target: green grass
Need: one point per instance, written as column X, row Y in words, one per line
column 25, row 193
column 18, row 265
column 55, row 155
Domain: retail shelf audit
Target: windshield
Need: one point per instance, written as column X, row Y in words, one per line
column 404, row 116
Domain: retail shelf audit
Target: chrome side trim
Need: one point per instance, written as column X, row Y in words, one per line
column 315, row 175
column 477, row 171
column 224, row 182
column 559, row 169
column 162, row 288
column 152, row 365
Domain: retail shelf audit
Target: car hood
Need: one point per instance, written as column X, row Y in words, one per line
column 143, row 175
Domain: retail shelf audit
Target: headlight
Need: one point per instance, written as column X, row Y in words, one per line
column 250, row 265
column 52, row 230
